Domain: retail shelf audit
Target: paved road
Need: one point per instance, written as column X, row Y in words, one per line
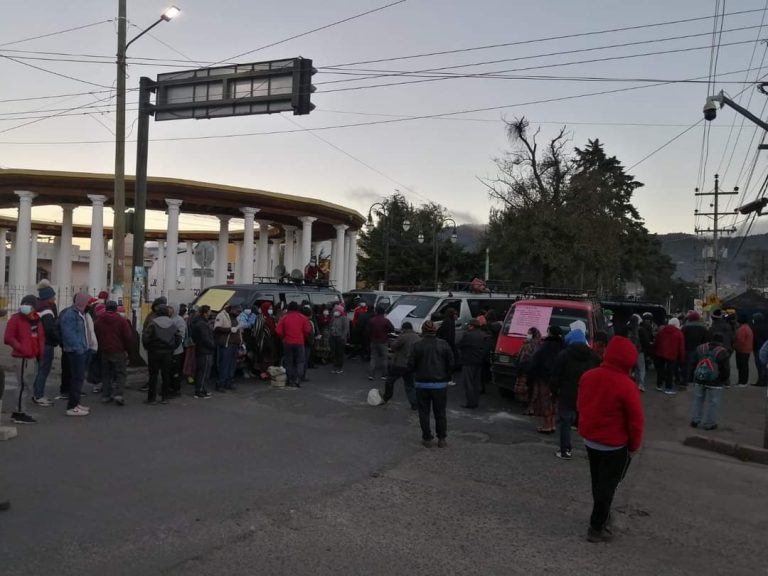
column 317, row 482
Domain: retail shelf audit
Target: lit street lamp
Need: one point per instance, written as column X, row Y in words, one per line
column 438, row 228
column 118, row 225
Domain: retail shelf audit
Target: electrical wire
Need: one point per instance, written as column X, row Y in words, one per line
column 667, row 143
column 46, row 118
column 48, row 35
column 59, row 74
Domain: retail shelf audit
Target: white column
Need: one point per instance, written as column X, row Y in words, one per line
column 247, row 268
column 238, row 262
column 222, row 252
column 21, row 245
column 337, row 260
column 172, row 248
column 161, row 266
column 264, row 249
column 306, row 240
column 189, row 265
column 288, row 259
column 55, row 264
column 352, row 260
column 3, row 255
column 65, row 255
column 33, row 259
column 96, row 275
column 274, row 256
column 347, row 285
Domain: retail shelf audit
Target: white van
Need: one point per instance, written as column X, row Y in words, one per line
column 418, row 307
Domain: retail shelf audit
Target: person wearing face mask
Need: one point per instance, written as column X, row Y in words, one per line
column 26, row 337
column 323, row 342
column 76, row 345
column 46, row 308
column 264, row 340
column 339, row 333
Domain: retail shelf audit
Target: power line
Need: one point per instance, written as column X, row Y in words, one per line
column 48, row 35
column 545, row 39
column 46, row 118
column 667, row 143
column 47, row 71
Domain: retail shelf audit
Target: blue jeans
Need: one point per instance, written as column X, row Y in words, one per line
column 293, row 360
column 706, row 404
column 77, row 366
column 640, row 369
column 43, row 369
column 565, row 419
column 226, row 366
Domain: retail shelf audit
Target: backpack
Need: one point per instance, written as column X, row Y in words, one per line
column 707, row 369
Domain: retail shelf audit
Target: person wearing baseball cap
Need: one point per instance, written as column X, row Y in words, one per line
column 432, row 364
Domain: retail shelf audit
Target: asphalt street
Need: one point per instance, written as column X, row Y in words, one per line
column 315, row 481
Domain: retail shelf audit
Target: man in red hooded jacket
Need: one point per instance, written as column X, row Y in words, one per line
column 611, row 423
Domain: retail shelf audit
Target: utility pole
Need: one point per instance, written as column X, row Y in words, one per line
column 716, row 229
column 118, row 224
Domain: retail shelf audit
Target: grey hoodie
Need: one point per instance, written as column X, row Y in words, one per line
column 160, row 335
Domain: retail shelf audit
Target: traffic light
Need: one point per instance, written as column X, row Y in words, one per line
column 302, row 86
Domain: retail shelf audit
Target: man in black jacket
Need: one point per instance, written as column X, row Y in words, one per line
column 569, row 366
column 160, row 338
column 432, row 363
column 695, row 333
column 447, row 330
column 760, row 336
column 46, row 308
column 472, row 350
column 205, row 346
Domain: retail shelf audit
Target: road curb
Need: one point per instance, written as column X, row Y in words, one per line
column 740, row 451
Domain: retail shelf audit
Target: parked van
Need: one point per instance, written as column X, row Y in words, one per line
column 252, row 295
column 418, row 307
column 540, row 313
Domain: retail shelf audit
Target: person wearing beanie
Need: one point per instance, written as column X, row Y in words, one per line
column 160, row 339
column 432, row 365
column 76, row 345
column 115, row 336
column 720, row 325
column 695, row 333
column 611, row 423
column 713, row 371
column 669, row 354
column 742, row 345
column 46, row 309
column 25, row 335
column 570, row 364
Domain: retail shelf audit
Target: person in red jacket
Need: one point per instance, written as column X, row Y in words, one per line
column 26, row 337
column 611, row 423
column 114, row 335
column 669, row 355
column 742, row 345
column 294, row 328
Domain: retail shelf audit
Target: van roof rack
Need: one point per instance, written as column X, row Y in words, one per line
column 559, row 293
column 491, row 287
column 295, row 281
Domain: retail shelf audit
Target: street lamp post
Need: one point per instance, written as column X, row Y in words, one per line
column 438, row 228
column 384, row 210
column 118, row 224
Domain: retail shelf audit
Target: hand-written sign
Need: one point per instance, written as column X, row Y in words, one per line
column 527, row 317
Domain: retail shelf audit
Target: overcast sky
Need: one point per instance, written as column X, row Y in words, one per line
column 438, row 159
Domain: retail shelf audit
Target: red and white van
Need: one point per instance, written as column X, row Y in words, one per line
column 540, row 313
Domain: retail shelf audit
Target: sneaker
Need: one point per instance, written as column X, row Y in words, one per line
column 83, row 408
column 96, row 389
column 62, row 397
column 670, row 392
column 451, row 383
column 742, row 385
column 564, row 454
column 45, row 402
column 383, row 377
column 694, row 424
column 22, row 418
column 202, row 395
column 144, row 388
column 603, row 535
column 441, row 443
column 370, row 377
column 5, row 505
column 427, row 443
column 106, row 400
column 119, row 400
column 659, row 389
column 641, row 388
column 77, row 411
column 710, row 426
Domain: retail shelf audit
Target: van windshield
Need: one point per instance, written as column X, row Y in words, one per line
column 217, row 298
column 421, row 305
column 522, row 317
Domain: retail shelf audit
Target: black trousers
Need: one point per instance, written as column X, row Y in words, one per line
column 437, row 400
column 66, row 375
column 471, row 375
column 607, row 468
column 162, row 363
column 203, row 364
column 337, row 350
column 393, row 375
column 742, row 365
column 665, row 373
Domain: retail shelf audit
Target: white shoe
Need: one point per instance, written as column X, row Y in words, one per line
column 77, row 411
column 45, row 402
column 641, row 388
column 451, row 383
column 83, row 408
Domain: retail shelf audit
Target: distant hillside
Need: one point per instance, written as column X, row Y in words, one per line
column 686, row 252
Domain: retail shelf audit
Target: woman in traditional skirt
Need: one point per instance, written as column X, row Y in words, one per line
column 531, row 345
column 540, row 375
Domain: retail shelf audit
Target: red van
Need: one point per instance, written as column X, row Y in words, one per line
column 540, row 313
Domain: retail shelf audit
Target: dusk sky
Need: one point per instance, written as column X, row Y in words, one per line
column 439, row 158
